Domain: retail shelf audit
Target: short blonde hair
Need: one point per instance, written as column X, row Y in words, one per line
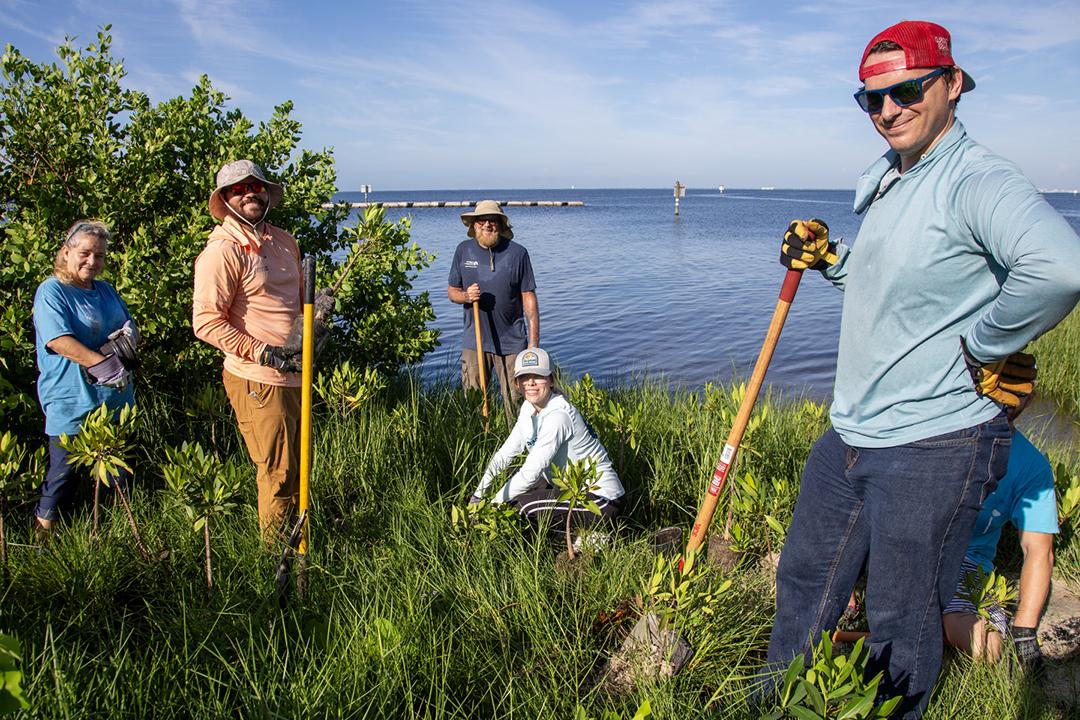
column 93, row 228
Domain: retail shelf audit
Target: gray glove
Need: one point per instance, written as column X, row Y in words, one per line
column 1026, row 642
column 122, row 343
column 324, row 304
column 295, row 341
column 110, row 372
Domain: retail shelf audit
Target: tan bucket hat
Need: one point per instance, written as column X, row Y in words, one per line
column 487, row 207
column 238, row 171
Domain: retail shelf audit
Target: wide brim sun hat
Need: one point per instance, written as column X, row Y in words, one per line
column 533, row 361
column 487, row 207
column 238, row 171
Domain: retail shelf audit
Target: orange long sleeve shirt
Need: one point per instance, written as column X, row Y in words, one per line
column 248, row 289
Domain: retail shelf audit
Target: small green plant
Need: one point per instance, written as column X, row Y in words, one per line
column 1068, row 493
column 686, row 598
column 832, row 686
column 20, row 474
column 586, row 397
column 485, row 517
column 11, row 695
column 643, row 712
column 985, row 591
column 208, row 405
column 575, row 482
column 204, row 487
column 347, row 388
column 103, row 445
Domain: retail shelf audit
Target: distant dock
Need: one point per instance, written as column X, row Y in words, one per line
column 456, row 203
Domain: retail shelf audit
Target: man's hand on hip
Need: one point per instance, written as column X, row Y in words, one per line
column 1008, row 381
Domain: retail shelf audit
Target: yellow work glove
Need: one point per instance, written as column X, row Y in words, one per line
column 1009, row 382
column 806, row 246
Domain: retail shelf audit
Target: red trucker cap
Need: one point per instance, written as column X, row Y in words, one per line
column 925, row 45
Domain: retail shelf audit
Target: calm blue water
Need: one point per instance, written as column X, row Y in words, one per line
column 626, row 287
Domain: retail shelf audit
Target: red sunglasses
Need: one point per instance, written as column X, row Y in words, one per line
column 243, row 188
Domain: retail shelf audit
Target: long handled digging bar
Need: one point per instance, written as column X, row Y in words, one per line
column 299, row 538
column 727, row 457
column 306, row 364
column 480, row 360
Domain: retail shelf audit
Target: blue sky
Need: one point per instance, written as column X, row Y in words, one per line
column 510, row 94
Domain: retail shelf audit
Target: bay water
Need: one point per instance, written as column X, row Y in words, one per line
column 626, row 288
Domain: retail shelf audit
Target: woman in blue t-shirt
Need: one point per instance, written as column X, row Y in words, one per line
column 86, row 341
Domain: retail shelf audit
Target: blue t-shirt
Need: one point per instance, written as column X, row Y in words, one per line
column 88, row 316
column 1025, row 497
column 503, row 272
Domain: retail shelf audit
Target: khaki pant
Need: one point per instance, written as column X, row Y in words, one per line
column 502, row 367
column 269, row 420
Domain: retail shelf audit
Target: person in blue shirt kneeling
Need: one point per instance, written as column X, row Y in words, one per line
column 1024, row 497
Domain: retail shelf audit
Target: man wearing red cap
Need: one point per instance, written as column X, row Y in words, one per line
column 959, row 263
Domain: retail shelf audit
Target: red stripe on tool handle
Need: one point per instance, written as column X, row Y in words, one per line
column 742, row 418
column 791, row 284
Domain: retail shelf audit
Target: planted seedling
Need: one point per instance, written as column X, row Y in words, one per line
column 985, row 591
column 204, row 487
column 20, row 473
column 576, row 482
column 1068, row 493
column 485, row 517
column 104, row 445
column 831, row 686
column 208, row 405
column 347, row 388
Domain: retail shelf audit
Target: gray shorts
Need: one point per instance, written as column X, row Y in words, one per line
column 998, row 617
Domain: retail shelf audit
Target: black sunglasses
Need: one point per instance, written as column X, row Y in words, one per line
column 903, row 93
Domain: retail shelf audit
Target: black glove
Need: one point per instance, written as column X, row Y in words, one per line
column 806, row 246
column 110, row 372
column 1008, row 382
column 1026, row 642
column 281, row 359
column 122, row 343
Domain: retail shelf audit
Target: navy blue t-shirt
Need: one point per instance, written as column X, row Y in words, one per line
column 503, row 273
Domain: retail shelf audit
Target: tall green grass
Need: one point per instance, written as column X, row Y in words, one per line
column 403, row 616
column 1058, row 355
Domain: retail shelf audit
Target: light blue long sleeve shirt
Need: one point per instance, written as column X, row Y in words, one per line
column 960, row 245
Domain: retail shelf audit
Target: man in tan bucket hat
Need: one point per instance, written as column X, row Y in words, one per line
column 492, row 270
column 247, row 295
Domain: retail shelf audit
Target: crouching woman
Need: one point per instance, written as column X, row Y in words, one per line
column 553, row 433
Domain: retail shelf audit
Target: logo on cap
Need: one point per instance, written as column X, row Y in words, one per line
column 530, row 360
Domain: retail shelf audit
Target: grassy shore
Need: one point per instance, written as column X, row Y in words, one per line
column 406, row 616
column 1058, row 354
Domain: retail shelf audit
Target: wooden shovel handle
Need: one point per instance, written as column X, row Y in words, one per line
column 480, row 355
column 727, row 457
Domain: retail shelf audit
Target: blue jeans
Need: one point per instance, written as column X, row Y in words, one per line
column 906, row 513
column 58, row 490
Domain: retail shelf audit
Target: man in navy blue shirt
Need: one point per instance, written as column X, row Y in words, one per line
column 495, row 272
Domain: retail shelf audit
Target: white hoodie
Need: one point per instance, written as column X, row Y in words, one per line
column 555, row 435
